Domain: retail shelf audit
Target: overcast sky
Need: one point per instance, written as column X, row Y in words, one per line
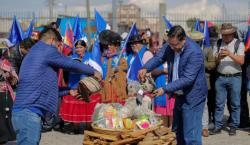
column 173, row 6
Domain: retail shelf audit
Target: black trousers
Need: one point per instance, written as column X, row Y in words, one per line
column 6, row 129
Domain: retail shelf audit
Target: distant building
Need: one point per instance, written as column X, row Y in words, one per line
column 127, row 14
column 130, row 13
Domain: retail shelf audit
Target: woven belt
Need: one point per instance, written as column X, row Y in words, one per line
column 230, row 75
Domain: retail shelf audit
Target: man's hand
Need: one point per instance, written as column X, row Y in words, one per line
column 225, row 52
column 165, row 71
column 73, row 93
column 98, row 76
column 159, row 92
column 142, row 75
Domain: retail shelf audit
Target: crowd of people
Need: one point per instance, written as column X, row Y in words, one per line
column 192, row 82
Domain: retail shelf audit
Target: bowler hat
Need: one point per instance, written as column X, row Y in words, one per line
column 107, row 37
column 104, row 36
column 136, row 38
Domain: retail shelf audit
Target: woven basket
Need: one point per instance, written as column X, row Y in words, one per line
column 115, row 132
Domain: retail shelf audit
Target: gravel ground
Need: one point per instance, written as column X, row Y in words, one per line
column 56, row 138
column 242, row 137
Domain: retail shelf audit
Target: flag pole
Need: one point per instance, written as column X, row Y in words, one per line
column 88, row 22
column 124, row 45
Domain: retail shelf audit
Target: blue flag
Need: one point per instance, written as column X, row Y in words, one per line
column 78, row 31
column 95, row 61
column 134, row 68
column 197, row 26
column 28, row 33
column 167, row 23
column 101, row 24
column 206, row 41
column 16, row 33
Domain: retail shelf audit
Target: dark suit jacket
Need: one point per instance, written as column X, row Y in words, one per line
column 192, row 80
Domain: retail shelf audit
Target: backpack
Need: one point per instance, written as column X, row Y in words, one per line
column 236, row 45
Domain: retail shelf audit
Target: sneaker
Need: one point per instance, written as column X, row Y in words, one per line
column 232, row 131
column 205, row 133
column 215, row 131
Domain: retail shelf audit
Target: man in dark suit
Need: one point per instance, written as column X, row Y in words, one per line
column 187, row 83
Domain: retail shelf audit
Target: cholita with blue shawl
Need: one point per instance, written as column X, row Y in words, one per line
column 114, row 73
column 115, row 80
column 73, row 110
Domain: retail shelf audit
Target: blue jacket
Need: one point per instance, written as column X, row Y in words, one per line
column 191, row 71
column 38, row 77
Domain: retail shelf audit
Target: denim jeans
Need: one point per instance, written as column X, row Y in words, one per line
column 223, row 87
column 27, row 126
column 205, row 116
column 187, row 122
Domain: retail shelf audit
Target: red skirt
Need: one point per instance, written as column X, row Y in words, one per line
column 170, row 106
column 161, row 110
column 73, row 110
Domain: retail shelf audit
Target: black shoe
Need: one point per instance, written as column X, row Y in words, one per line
column 215, row 131
column 57, row 128
column 232, row 131
column 46, row 129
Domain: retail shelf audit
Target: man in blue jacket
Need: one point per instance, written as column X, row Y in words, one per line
column 37, row 92
column 187, row 83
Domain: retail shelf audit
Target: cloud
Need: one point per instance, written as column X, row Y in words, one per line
column 72, row 10
column 105, row 7
column 197, row 8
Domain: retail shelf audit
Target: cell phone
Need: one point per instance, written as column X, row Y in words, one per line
column 222, row 49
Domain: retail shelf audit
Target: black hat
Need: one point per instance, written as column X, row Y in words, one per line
column 107, row 37
column 136, row 38
column 81, row 42
column 104, row 36
column 115, row 38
